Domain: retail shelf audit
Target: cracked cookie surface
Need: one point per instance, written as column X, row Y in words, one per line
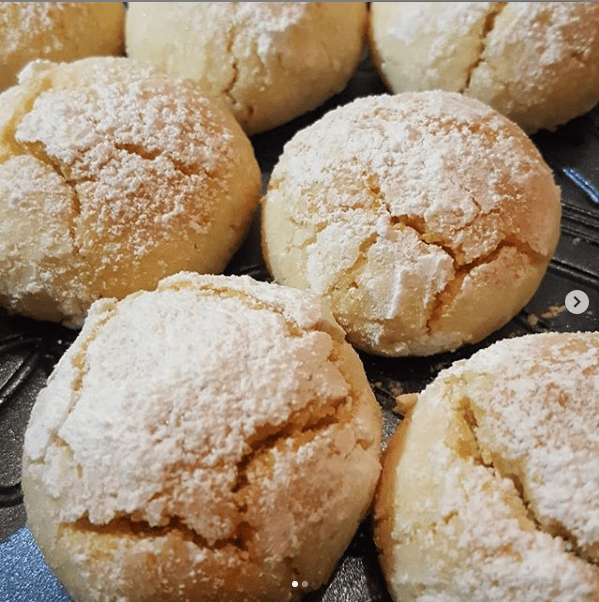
column 535, row 62
column 210, row 440
column 489, row 489
column 268, row 61
column 427, row 219
column 112, row 176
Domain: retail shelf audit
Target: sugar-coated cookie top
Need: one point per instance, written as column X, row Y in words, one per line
column 535, row 62
column 268, row 61
column 184, row 384
column 489, row 491
column 112, row 176
column 441, row 162
column 407, row 210
column 58, row 31
column 536, row 405
column 148, row 130
column 212, row 439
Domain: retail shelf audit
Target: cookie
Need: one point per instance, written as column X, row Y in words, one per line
column 426, row 219
column 535, row 62
column 268, row 61
column 214, row 439
column 57, row 31
column 490, row 488
column 112, row 176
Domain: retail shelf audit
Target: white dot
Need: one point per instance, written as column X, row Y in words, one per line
column 304, row 584
column 294, row 584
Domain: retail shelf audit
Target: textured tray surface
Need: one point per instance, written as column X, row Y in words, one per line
column 29, row 349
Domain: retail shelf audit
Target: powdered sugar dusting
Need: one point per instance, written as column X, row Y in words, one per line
column 173, row 416
column 267, row 22
column 417, row 153
column 37, row 19
column 179, row 422
column 534, row 62
column 150, row 165
column 147, row 152
column 539, row 422
column 59, row 31
column 552, row 33
column 374, row 174
column 481, row 511
column 30, row 188
column 262, row 25
column 423, row 46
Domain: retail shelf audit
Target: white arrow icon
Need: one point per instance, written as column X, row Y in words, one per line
column 577, row 302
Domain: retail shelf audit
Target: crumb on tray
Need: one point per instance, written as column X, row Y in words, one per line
column 553, row 311
column 405, row 402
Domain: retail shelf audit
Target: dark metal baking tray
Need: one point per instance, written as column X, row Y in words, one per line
column 29, row 349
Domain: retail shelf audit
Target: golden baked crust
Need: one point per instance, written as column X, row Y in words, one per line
column 535, row 62
column 268, row 61
column 57, row 31
column 489, row 489
column 427, row 219
column 112, row 176
column 212, row 440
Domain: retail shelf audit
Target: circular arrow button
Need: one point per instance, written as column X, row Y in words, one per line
column 577, row 302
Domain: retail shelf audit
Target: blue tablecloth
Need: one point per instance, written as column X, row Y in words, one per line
column 24, row 577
